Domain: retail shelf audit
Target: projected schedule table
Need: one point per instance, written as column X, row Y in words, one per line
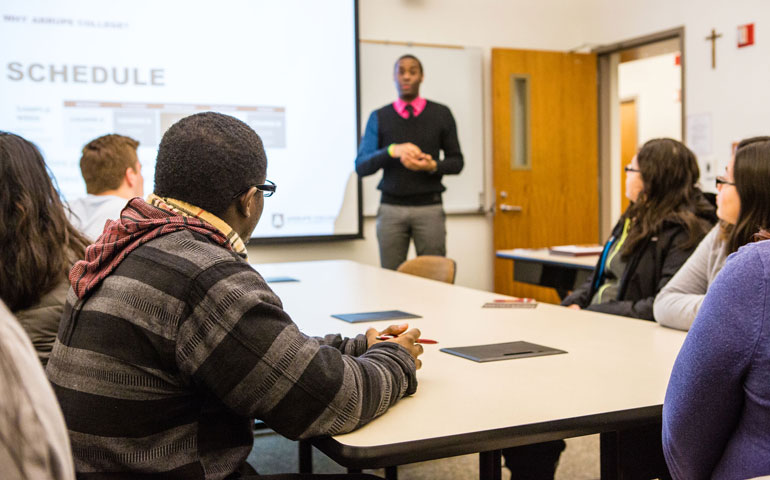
column 611, row 381
column 147, row 122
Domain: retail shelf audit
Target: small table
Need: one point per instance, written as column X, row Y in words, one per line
column 538, row 266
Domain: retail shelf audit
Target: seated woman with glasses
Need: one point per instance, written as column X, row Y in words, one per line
column 39, row 245
column 742, row 207
column 667, row 218
column 716, row 414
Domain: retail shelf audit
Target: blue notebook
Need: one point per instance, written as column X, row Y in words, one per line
column 375, row 316
column 280, row 279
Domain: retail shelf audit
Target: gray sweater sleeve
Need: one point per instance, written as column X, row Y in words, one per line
column 241, row 346
column 678, row 303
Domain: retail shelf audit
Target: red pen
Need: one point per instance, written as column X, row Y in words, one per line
column 425, row 341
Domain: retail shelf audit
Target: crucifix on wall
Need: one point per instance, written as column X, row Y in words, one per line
column 713, row 38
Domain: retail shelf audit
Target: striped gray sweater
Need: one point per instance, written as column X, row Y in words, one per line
column 160, row 369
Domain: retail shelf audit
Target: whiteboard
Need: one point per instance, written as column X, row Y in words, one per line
column 452, row 76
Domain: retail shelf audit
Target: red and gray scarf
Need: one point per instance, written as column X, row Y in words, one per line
column 139, row 223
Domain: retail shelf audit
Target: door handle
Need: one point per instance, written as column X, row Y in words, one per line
column 509, row 208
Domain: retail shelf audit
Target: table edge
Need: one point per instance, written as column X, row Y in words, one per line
column 475, row 442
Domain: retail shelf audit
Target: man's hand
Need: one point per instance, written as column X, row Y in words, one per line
column 426, row 163
column 422, row 163
column 574, row 306
column 407, row 340
column 412, row 157
column 408, row 149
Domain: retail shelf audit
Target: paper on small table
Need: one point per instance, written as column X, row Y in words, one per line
column 576, row 250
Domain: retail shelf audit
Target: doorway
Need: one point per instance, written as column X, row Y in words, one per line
column 544, row 163
column 629, row 140
column 641, row 97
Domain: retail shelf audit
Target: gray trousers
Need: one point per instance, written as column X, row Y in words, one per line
column 397, row 224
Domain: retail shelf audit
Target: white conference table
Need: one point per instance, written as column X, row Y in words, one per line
column 613, row 377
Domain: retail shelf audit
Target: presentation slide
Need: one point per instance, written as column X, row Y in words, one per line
column 77, row 69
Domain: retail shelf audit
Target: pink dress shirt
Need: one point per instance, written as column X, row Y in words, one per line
column 418, row 105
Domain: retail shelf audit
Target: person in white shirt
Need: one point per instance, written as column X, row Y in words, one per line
column 113, row 175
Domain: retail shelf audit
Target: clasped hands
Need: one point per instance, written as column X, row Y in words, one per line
column 413, row 158
column 408, row 340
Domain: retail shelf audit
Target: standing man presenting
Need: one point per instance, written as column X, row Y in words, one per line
column 404, row 140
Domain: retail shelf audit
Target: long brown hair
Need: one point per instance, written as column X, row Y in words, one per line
column 37, row 243
column 751, row 174
column 670, row 172
column 761, row 235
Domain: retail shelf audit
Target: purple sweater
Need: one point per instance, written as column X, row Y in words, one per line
column 716, row 416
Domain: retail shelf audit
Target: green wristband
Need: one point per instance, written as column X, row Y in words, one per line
column 391, row 148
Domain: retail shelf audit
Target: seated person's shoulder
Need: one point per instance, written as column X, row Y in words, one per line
column 745, row 276
column 751, row 259
column 189, row 252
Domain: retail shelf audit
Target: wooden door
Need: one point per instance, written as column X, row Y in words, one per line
column 558, row 192
column 629, row 143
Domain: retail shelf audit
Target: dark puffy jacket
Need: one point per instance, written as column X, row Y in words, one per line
column 651, row 266
column 41, row 321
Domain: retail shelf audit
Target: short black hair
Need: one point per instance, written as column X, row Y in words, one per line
column 409, row 55
column 207, row 159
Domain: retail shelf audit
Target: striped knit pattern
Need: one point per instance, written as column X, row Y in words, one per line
column 160, row 369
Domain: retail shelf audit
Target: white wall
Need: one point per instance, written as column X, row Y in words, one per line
column 654, row 82
column 481, row 23
column 735, row 94
column 467, row 236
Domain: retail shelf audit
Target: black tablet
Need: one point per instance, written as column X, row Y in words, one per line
column 502, row 351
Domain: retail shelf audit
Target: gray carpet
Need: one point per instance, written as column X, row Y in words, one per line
column 275, row 454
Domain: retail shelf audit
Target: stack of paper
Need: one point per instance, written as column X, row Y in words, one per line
column 576, row 250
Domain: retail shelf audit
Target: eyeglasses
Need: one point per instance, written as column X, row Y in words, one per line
column 267, row 189
column 723, row 181
column 631, row 169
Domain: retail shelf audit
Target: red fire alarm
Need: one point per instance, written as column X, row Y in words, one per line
column 746, row 35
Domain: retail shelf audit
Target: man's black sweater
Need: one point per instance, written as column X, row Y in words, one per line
column 433, row 130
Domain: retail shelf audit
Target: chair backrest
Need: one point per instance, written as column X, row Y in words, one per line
column 430, row 266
